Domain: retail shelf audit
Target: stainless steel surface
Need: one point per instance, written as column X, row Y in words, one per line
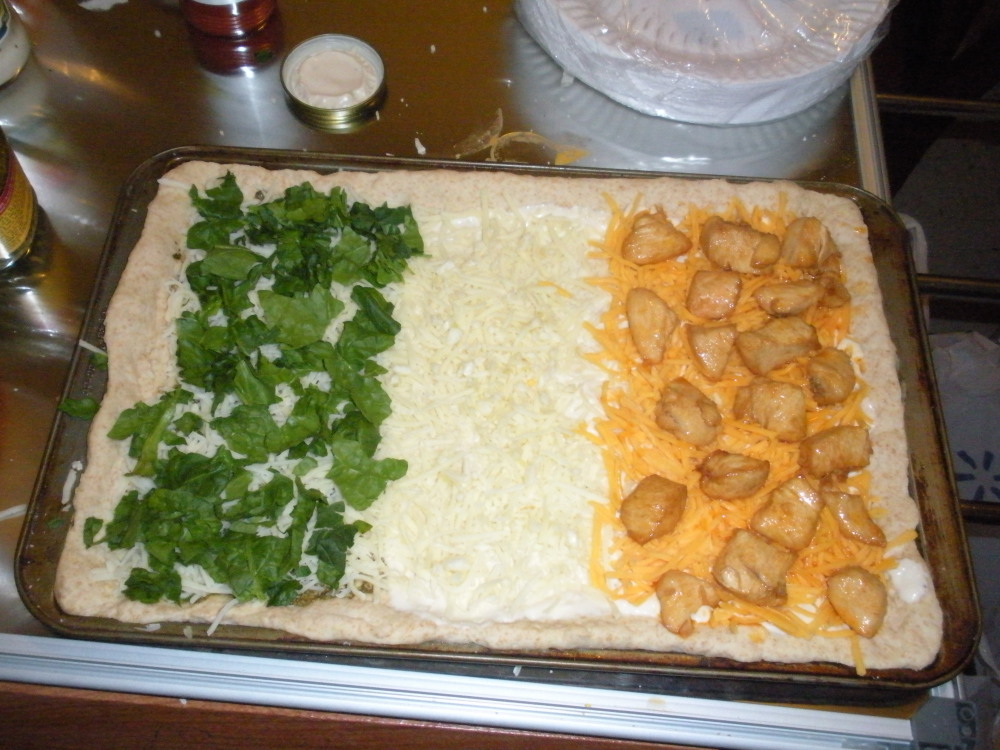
column 110, row 85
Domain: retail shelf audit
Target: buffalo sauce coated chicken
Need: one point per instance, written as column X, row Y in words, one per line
column 732, row 476
column 776, row 343
column 785, row 298
column 852, row 516
column 774, row 404
column 734, row 246
column 651, row 321
column 681, row 595
column 688, row 413
column 747, row 314
column 711, row 347
column 754, row 568
column 807, row 244
column 713, row 294
column 835, row 451
column 653, row 239
column 859, row 597
column 790, row 515
column 830, row 375
column 653, row 508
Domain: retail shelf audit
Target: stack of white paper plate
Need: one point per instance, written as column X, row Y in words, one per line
column 708, row 61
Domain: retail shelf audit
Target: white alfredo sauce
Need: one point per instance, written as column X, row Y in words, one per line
column 910, row 580
column 334, row 79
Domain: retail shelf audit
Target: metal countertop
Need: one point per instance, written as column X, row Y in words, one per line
column 110, row 85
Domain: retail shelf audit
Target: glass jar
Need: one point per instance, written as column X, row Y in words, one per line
column 14, row 44
column 227, row 18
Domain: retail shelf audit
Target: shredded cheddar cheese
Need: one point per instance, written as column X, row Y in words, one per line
column 635, row 447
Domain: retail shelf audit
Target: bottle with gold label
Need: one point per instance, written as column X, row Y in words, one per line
column 18, row 207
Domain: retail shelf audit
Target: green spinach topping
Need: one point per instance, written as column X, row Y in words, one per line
column 272, row 279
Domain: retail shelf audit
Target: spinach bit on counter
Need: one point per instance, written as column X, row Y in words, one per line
column 81, row 408
column 266, row 287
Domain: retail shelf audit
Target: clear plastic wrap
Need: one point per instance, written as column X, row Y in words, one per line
column 714, row 62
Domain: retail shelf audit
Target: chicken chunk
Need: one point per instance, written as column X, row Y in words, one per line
column 786, row 298
column 790, row 515
column 713, row 294
column 711, row 347
column 835, row 294
column 852, row 517
column 653, row 508
column 731, row 476
column 681, row 595
column 753, row 568
column 653, row 239
column 835, row 450
column 859, row 597
column 776, row 343
column 830, row 374
column 688, row 413
column 807, row 244
column 739, row 247
column 650, row 322
column 775, row 405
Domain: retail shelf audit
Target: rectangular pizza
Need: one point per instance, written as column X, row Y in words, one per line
column 507, row 411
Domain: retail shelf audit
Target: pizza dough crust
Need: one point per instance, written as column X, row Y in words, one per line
column 86, row 586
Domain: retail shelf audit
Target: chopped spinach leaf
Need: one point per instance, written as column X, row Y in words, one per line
column 146, row 424
column 250, row 388
column 230, row 262
column 265, row 287
column 91, row 528
column 149, row 586
column 359, row 477
column 330, row 541
column 302, row 319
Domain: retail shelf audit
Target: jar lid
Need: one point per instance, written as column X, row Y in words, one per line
column 333, row 81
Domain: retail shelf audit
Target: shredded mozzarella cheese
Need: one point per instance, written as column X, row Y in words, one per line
column 489, row 394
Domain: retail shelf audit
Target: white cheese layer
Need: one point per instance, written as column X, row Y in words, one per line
column 489, row 391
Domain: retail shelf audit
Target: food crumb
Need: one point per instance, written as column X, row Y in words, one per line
column 517, row 670
column 421, row 149
column 433, row 48
column 100, row 4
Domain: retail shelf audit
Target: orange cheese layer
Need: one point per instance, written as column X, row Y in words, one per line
column 634, row 447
